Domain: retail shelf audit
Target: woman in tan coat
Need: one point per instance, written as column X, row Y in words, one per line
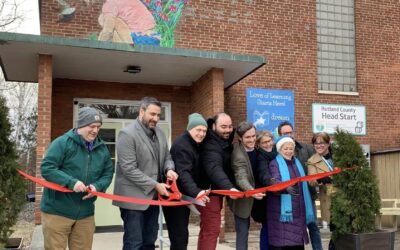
column 321, row 162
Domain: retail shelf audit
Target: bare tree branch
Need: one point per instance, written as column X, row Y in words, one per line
column 10, row 17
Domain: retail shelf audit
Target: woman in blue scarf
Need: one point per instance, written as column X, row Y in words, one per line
column 289, row 212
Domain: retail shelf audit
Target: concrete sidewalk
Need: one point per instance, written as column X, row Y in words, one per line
column 113, row 241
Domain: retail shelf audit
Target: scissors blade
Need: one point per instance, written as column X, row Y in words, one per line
column 192, row 200
column 193, row 209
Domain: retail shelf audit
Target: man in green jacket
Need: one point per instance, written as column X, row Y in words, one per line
column 78, row 160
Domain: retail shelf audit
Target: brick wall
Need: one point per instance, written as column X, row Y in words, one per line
column 285, row 33
column 66, row 90
column 43, row 129
column 378, row 70
column 82, row 25
column 207, row 93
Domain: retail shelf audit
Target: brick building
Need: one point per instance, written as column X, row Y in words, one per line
column 341, row 52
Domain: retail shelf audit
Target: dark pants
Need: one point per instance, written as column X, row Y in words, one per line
column 242, row 232
column 177, row 219
column 210, row 223
column 140, row 228
column 286, row 248
column 313, row 230
column 264, row 237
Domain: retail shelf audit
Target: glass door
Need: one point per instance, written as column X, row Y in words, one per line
column 105, row 213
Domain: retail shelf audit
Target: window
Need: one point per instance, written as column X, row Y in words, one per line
column 336, row 46
column 122, row 112
column 118, row 111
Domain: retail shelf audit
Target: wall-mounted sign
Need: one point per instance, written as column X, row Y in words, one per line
column 327, row 117
column 266, row 108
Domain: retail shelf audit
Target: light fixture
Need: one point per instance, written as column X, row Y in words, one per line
column 133, row 69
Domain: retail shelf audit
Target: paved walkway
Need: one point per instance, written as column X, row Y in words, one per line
column 113, row 241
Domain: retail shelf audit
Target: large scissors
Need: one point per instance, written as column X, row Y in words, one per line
column 176, row 195
column 173, row 191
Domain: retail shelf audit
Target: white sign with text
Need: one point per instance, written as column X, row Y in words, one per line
column 327, row 117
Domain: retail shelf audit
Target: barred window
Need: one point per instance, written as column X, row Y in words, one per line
column 336, row 45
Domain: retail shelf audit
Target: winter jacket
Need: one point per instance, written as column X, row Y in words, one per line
column 262, row 171
column 263, row 179
column 303, row 152
column 244, row 179
column 215, row 159
column 288, row 233
column 67, row 161
column 185, row 153
column 316, row 165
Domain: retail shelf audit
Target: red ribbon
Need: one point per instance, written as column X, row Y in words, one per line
column 273, row 188
column 45, row 183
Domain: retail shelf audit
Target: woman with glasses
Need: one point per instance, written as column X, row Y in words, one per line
column 321, row 162
column 266, row 153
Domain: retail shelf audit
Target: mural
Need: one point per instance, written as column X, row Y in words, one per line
column 148, row 22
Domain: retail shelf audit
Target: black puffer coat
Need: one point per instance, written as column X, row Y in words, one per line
column 215, row 157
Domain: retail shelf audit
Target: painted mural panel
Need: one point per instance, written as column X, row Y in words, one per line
column 145, row 22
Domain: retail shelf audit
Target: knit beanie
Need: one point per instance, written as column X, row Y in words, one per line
column 87, row 116
column 283, row 140
column 195, row 120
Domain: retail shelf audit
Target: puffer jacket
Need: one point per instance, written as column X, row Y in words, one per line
column 289, row 233
column 67, row 161
column 215, row 158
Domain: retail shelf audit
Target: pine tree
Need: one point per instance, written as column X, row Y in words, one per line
column 12, row 186
column 356, row 201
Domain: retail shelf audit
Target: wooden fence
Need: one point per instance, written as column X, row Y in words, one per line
column 386, row 166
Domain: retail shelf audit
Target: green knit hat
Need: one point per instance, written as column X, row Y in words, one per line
column 195, row 120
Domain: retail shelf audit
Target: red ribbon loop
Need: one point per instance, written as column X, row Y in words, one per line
column 175, row 195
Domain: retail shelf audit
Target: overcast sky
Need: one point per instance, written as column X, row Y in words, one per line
column 30, row 10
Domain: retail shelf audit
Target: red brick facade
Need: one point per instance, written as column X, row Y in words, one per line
column 285, row 33
column 64, row 91
column 44, row 127
column 282, row 31
column 208, row 93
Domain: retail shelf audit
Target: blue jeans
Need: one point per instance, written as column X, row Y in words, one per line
column 313, row 230
column 140, row 228
column 264, row 237
column 242, row 232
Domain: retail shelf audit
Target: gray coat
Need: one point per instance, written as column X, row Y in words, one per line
column 137, row 167
column 244, row 178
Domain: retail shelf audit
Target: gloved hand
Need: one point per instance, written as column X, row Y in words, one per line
column 324, row 181
column 273, row 181
column 292, row 190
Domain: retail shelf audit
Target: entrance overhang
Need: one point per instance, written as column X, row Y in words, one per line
column 106, row 61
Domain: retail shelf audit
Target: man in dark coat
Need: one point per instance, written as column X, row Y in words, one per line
column 303, row 152
column 185, row 153
column 215, row 158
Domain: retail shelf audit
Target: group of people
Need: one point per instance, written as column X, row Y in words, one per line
column 202, row 158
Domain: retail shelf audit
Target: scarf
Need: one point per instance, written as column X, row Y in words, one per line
column 328, row 163
column 286, row 199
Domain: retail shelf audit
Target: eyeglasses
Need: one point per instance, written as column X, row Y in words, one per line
column 320, row 144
